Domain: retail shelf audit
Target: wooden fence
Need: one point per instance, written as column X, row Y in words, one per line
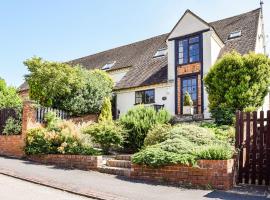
column 42, row 111
column 4, row 115
column 253, row 142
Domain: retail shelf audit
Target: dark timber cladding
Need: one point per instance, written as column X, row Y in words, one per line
column 253, row 142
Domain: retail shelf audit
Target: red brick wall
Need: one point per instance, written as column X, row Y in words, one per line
column 85, row 118
column 217, row 174
column 69, row 161
column 13, row 145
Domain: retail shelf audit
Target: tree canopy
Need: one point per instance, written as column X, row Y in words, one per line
column 236, row 82
column 9, row 97
column 70, row 88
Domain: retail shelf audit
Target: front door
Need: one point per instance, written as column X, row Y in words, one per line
column 189, row 84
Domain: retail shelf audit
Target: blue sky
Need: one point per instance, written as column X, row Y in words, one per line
column 63, row 30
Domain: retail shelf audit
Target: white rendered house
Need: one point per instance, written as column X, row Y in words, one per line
column 158, row 71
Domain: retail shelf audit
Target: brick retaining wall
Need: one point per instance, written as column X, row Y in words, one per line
column 82, row 162
column 218, row 174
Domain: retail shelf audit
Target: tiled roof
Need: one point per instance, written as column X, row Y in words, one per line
column 146, row 70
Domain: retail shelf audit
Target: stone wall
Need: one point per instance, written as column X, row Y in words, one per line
column 217, row 174
column 82, row 162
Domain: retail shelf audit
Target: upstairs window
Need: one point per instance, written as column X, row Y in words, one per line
column 108, row 66
column 189, row 50
column 235, row 34
column 160, row 52
column 145, row 97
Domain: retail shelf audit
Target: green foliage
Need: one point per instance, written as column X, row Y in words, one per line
column 236, row 82
column 223, row 115
column 250, row 109
column 12, row 126
column 138, row 121
column 73, row 89
column 106, row 111
column 156, row 157
column 107, row 134
column 187, row 100
column 9, row 97
column 224, row 133
column 157, row 134
column 193, row 133
column 51, row 121
column 185, row 144
column 64, row 138
column 215, row 152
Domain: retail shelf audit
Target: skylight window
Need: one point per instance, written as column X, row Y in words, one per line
column 160, row 52
column 235, row 34
column 108, row 65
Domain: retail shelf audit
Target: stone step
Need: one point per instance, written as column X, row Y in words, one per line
column 115, row 171
column 118, row 163
column 123, row 157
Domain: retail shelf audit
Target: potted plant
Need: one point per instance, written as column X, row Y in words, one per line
column 188, row 105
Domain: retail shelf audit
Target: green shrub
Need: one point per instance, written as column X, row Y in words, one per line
column 223, row 115
column 215, row 152
column 12, row 126
column 187, row 100
column 157, row 134
column 71, row 88
column 65, row 138
column 180, row 145
column 236, row 82
column 250, row 109
column 51, row 121
column 106, row 134
column 156, row 157
column 224, row 132
column 106, row 111
column 36, row 142
column 195, row 134
column 138, row 121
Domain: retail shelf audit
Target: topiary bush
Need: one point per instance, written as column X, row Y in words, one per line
column 106, row 111
column 138, row 121
column 157, row 134
column 107, row 134
column 236, row 82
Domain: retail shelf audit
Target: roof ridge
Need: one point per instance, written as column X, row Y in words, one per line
column 125, row 45
column 235, row 16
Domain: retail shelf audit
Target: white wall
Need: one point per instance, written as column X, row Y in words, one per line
column 188, row 24
column 126, row 99
column 211, row 48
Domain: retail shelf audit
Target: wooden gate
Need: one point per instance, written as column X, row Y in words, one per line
column 253, row 143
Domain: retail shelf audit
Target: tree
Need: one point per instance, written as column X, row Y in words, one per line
column 9, row 97
column 70, row 88
column 236, row 82
column 106, row 111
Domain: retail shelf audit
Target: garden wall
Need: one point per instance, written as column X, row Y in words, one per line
column 82, row 162
column 218, row 174
column 13, row 145
column 85, row 118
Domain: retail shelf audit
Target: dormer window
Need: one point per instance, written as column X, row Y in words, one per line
column 160, row 52
column 108, row 66
column 235, row 34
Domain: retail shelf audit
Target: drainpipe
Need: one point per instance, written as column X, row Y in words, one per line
column 263, row 34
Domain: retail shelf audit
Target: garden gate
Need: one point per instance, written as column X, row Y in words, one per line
column 253, row 142
column 6, row 113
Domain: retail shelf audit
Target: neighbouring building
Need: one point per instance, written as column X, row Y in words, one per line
column 158, row 71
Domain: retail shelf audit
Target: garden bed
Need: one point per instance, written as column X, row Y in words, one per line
column 216, row 174
column 82, row 162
